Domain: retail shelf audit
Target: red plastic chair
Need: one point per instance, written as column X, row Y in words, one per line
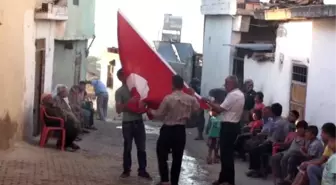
column 290, row 137
column 45, row 129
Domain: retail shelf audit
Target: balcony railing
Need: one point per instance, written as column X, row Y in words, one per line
column 50, row 11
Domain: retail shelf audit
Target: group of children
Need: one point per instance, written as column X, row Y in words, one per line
column 303, row 133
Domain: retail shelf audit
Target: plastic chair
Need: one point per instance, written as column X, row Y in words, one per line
column 45, row 129
column 290, row 137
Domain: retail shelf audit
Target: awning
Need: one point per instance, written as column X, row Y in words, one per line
column 255, row 47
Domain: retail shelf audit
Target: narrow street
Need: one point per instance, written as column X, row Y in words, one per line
column 99, row 162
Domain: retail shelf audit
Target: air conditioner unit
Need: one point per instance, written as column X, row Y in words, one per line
column 241, row 23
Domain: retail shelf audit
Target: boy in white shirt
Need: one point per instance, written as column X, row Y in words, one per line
column 329, row 172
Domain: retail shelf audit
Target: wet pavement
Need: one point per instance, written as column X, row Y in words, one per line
column 100, row 159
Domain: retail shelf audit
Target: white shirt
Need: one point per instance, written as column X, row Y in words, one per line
column 234, row 106
column 67, row 102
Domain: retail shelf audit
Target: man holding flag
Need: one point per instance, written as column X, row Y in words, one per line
column 174, row 111
column 132, row 128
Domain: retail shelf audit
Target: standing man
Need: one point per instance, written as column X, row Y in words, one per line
column 102, row 98
column 232, row 110
column 249, row 100
column 87, row 105
column 174, row 111
column 132, row 128
column 198, row 116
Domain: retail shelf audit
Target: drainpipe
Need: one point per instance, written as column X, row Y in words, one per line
column 88, row 49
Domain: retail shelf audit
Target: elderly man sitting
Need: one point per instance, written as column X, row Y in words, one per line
column 76, row 101
column 60, row 95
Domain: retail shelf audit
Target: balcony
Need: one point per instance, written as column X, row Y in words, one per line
column 53, row 12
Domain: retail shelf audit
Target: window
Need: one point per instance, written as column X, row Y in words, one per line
column 299, row 73
column 76, row 2
column 299, row 89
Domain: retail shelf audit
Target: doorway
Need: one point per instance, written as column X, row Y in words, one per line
column 299, row 89
column 39, row 82
column 110, row 70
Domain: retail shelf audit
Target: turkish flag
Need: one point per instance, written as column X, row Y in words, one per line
column 149, row 77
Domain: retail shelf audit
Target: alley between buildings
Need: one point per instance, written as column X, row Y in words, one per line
column 99, row 161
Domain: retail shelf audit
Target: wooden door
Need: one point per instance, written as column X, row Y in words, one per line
column 299, row 89
column 78, row 65
column 39, row 82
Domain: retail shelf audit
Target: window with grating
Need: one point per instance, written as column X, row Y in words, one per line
column 300, row 73
column 76, row 2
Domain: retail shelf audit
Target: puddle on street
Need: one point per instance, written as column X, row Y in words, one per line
column 191, row 173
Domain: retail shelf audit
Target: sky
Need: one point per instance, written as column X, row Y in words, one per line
column 147, row 17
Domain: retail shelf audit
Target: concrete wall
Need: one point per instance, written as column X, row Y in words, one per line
column 64, row 62
column 217, row 60
column 80, row 25
column 311, row 43
column 46, row 30
column 17, row 57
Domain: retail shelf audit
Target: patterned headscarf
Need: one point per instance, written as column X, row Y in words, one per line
column 45, row 96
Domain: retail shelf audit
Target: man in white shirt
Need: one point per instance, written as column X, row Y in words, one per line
column 231, row 111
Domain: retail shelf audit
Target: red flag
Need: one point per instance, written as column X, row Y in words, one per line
column 148, row 75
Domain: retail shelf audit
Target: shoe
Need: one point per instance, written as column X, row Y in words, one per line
column 145, row 175
column 92, row 128
column 199, row 138
column 163, row 183
column 78, row 139
column 85, row 131
column 74, row 146
column 70, row 149
column 217, row 183
column 251, row 173
column 125, row 174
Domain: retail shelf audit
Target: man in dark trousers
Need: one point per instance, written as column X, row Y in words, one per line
column 174, row 111
column 132, row 128
column 232, row 110
column 198, row 116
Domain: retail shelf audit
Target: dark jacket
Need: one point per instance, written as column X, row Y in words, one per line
column 249, row 100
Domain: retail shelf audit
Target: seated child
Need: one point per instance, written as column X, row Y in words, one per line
column 312, row 150
column 329, row 172
column 280, row 161
column 256, row 123
column 213, row 130
column 252, row 127
column 258, row 101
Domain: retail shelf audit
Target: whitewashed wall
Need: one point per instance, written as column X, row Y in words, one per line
column 217, row 51
column 46, row 30
column 321, row 97
column 29, row 74
column 311, row 43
